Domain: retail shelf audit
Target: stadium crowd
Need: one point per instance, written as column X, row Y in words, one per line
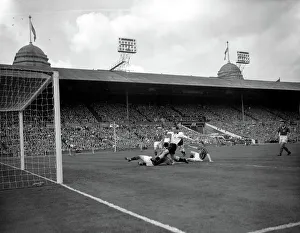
column 91, row 128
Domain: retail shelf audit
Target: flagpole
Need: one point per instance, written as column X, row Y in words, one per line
column 30, row 28
column 228, row 51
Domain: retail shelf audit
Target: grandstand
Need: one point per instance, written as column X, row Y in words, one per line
column 92, row 99
column 136, row 98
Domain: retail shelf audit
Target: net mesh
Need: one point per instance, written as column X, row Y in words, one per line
column 26, row 108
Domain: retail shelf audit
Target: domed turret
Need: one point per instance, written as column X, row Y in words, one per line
column 31, row 55
column 230, row 70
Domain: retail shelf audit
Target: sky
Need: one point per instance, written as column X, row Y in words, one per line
column 184, row 37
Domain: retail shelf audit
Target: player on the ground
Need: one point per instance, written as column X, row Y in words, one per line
column 148, row 160
column 283, row 132
column 200, row 155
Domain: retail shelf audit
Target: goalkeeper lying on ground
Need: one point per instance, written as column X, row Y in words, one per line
column 200, row 155
column 150, row 161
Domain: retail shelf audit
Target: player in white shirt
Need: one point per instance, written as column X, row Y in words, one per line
column 200, row 155
column 181, row 146
column 149, row 161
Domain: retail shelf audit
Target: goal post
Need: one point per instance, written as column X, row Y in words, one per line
column 57, row 128
column 30, row 134
column 21, row 131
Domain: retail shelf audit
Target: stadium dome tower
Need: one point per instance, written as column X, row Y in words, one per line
column 230, row 70
column 31, row 55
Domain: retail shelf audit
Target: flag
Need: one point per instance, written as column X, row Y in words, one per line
column 33, row 31
column 225, row 53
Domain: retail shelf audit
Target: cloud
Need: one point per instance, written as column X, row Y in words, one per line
column 6, row 5
column 156, row 18
column 173, row 36
column 93, row 30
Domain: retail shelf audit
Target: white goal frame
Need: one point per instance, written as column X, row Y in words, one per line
column 51, row 76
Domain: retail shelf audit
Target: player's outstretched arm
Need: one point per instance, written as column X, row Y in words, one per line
column 132, row 158
column 187, row 137
column 194, row 147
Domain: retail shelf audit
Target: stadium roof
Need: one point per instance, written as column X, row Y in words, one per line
column 162, row 79
column 147, row 78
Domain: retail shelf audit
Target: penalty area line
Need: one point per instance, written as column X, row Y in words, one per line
column 280, row 227
column 148, row 220
column 254, row 165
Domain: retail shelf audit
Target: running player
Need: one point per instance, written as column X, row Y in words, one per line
column 149, row 161
column 200, row 155
column 283, row 132
column 181, row 145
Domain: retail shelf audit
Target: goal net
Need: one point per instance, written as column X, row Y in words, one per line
column 27, row 128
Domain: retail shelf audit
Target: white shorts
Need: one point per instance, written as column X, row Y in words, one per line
column 147, row 159
column 283, row 139
column 196, row 156
column 157, row 145
column 167, row 140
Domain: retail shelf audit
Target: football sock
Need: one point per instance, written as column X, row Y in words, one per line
column 135, row 158
column 182, row 160
column 281, row 149
column 286, row 149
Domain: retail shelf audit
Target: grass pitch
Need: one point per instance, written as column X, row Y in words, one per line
column 247, row 188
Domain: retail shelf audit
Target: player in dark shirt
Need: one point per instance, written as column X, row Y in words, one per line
column 150, row 161
column 158, row 141
column 283, row 132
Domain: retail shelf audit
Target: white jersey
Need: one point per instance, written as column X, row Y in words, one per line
column 147, row 160
column 176, row 137
column 167, row 140
column 196, row 156
column 168, row 137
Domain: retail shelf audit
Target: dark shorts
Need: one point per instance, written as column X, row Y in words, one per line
column 202, row 155
column 166, row 144
column 156, row 161
column 172, row 148
column 180, row 143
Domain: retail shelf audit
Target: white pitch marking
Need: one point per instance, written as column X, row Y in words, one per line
column 148, row 220
column 281, row 227
column 254, row 165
